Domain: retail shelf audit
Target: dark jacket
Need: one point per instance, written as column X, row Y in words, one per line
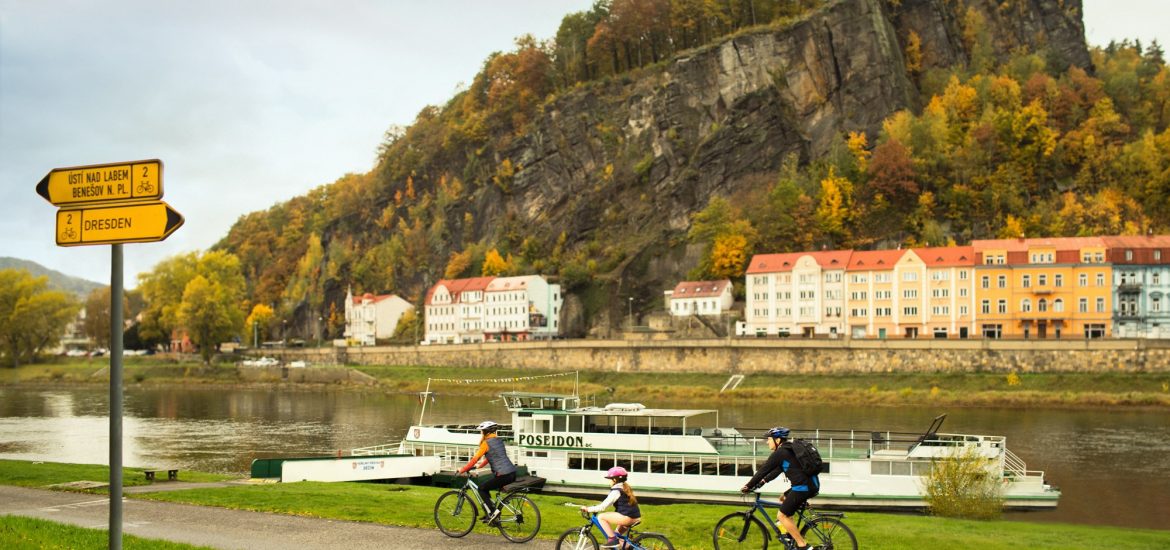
column 783, row 460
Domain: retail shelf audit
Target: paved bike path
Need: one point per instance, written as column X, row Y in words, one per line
column 231, row 529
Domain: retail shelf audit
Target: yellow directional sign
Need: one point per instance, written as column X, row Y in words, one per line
column 103, row 183
column 126, row 223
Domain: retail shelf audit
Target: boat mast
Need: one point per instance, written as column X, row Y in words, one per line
column 425, row 396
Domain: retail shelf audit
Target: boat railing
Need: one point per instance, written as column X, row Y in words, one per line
column 387, row 449
column 849, row 443
column 1014, row 466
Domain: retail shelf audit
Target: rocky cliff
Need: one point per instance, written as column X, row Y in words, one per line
column 619, row 166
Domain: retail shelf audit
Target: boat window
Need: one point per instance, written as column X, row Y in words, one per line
column 589, row 462
column 575, row 461
column 745, row 468
column 879, row 468
column 640, row 464
column 727, row 469
column 625, row 462
column 709, row 466
column 657, row 465
column 599, row 425
column 674, row 465
column 666, row 425
column 559, row 423
column 920, row 468
column 691, row 466
column 576, row 423
column 900, row 468
column 632, row 424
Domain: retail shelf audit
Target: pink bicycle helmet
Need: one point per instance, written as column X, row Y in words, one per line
column 616, row 472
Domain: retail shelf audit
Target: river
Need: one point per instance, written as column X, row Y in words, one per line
column 1112, row 465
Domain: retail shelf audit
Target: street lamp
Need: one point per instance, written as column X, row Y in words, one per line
column 631, row 313
column 284, row 333
column 255, row 334
column 319, row 330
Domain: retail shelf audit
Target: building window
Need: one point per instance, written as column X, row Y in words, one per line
column 963, row 292
column 1083, row 305
column 1157, row 255
column 1025, row 305
column 1058, row 305
column 910, row 293
column 1042, row 305
column 992, row 331
column 963, row 310
column 1100, row 279
column 1058, row 280
column 1100, row 305
column 986, row 282
column 1094, row 331
column 909, row 311
column 1155, row 277
column 1002, row 281
column 963, row 275
column 985, row 306
column 1027, row 281
column 1155, row 304
column 1083, row 279
column 1002, row 306
column 1129, row 255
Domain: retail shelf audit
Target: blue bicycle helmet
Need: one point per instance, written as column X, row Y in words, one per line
column 778, row 432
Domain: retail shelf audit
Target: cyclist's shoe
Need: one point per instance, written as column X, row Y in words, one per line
column 492, row 518
column 611, row 542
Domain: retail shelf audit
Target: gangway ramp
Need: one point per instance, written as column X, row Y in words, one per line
column 732, row 383
column 346, row 468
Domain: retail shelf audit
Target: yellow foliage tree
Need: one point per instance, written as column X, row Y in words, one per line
column 458, row 264
column 494, row 264
column 729, row 256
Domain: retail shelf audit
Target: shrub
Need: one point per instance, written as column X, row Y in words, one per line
column 963, row 486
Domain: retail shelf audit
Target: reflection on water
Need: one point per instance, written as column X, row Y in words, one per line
column 1111, row 465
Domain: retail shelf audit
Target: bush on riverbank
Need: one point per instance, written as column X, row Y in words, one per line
column 960, row 486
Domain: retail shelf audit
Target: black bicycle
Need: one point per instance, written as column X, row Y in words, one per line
column 457, row 509
column 824, row 530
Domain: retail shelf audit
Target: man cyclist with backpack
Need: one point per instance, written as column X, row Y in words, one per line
column 784, row 460
column 492, row 451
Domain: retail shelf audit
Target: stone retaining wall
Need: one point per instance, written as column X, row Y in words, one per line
column 771, row 356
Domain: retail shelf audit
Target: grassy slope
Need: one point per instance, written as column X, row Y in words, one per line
column 20, row 533
column 23, row 473
column 961, row 389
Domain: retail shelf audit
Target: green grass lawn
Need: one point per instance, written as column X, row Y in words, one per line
column 42, row 474
column 687, row 525
column 20, row 533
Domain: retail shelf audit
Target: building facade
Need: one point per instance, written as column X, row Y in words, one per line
column 700, row 298
column 467, row 311
column 1141, row 285
column 1049, row 288
column 522, row 308
column 369, row 317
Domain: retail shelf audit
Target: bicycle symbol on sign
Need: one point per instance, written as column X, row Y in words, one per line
column 144, row 188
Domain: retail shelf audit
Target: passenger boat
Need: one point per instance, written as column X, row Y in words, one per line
column 684, row 454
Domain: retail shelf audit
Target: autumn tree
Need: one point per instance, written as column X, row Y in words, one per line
column 32, row 317
column 495, row 264
column 201, row 294
column 835, row 209
column 728, row 237
column 259, row 322
column 97, row 315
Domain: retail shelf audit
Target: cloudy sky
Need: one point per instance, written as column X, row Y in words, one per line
column 252, row 102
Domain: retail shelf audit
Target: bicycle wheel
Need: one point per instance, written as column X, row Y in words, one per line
column 519, row 518
column 740, row 530
column 455, row 513
column 580, row 538
column 829, row 534
column 653, row 541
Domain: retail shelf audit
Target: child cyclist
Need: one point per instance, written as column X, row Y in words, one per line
column 624, row 502
column 492, row 451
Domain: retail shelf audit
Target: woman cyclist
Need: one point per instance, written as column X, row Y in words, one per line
column 492, row 451
column 804, row 487
column 624, row 502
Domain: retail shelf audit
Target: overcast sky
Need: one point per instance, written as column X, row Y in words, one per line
column 251, row 102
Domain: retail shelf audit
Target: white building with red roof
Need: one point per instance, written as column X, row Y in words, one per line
column 369, row 317
column 700, row 298
column 479, row 309
column 522, row 308
column 796, row 293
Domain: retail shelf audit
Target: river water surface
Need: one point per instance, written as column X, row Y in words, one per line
column 1113, row 466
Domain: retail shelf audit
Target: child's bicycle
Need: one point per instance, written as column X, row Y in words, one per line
column 457, row 509
column 823, row 530
column 582, row 538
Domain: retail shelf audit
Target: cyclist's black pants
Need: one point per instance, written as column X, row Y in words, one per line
column 485, row 488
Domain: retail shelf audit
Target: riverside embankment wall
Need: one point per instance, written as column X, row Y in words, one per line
column 770, row 356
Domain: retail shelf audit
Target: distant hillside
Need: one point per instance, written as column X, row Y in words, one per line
column 74, row 285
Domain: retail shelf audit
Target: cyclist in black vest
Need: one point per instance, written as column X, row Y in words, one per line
column 783, row 460
column 493, row 453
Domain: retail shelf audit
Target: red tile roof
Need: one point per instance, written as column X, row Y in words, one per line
column 458, row 286
column 776, row 263
column 357, row 300
column 874, row 260
column 700, row 289
column 1023, row 245
column 1137, row 241
column 947, row 256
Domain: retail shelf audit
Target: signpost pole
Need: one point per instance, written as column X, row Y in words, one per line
column 116, row 397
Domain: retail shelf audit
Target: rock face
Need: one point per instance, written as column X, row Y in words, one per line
column 632, row 158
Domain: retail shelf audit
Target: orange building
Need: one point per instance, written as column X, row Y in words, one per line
column 1042, row 288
